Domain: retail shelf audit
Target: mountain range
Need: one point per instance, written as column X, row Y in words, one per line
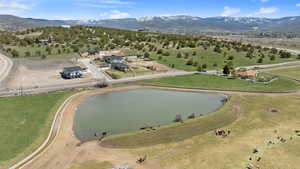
column 169, row 24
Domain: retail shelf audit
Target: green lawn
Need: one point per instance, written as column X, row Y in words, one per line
column 223, row 83
column 292, row 72
column 25, row 122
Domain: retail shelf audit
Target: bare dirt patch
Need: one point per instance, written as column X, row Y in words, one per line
column 42, row 73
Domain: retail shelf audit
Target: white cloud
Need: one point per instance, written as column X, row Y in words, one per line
column 107, row 4
column 228, row 11
column 264, row 1
column 298, row 5
column 98, row 5
column 267, row 11
column 115, row 14
column 12, row 5
column 116, row 2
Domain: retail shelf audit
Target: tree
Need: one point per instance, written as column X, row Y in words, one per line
column 160, row 51
column 199, row 68
column 15, row 53
column 260, row 60
column 166, row 53
column 186, row 55
column 43, row 57
column 204, row 66
column 179, row 55
column 147, row 55
column 231, row 57
column 226, row 70
column 194, row 53
column 27, row 54
column 298, row 56
column 189, row 62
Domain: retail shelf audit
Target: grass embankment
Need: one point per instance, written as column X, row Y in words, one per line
column 291, row 72
column 223, row 83
column 93, row 165
column 25, row 122
column 252, row 119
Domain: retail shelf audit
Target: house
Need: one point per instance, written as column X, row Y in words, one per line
column 93, row 52
column 66, row 26
column 120, row 66
column 72, row 72
column 113, row 59
column 247, row 74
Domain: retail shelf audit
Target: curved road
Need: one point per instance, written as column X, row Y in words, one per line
column 6, row 65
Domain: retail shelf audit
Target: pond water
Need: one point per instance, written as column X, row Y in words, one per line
column 127, row 111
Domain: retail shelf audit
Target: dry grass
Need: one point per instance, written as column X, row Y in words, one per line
column 253, row 128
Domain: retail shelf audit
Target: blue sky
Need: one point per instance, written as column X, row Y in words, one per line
column 114, row 9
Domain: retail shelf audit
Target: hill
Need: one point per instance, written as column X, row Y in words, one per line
column 170, row 24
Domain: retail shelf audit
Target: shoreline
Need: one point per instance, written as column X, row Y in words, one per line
column 66, row 139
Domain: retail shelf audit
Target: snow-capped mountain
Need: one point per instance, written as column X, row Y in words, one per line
column 170, row 24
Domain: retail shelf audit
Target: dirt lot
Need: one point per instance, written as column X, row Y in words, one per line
column 150, row 64
column 41, row 73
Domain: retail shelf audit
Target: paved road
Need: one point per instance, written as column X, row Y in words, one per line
column 274, row 65
column 6, row 65
column 152, row 76
column 87, row 84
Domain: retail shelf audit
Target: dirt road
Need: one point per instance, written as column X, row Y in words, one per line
column 5, row 67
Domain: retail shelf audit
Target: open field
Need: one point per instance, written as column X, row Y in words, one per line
column 223, row 83
column 290, row 72
column 211, row 59
column 254, row 120
column 25, row 122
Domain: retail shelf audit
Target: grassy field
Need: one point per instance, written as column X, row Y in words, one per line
column 93, row 165
column 254, row 120
column 212, row 59
column 292, row 72
column 223, row 83
column 25, row 122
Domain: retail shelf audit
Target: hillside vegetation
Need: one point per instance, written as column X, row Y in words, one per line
column 177, row 51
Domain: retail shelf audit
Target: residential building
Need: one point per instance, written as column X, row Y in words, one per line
column 120, row 66
column 113, row 59
column 72, row 72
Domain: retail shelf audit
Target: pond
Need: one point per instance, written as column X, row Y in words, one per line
column 131, row 110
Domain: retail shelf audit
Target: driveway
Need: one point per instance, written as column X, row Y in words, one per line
column 97, row 74
column 5, row 68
